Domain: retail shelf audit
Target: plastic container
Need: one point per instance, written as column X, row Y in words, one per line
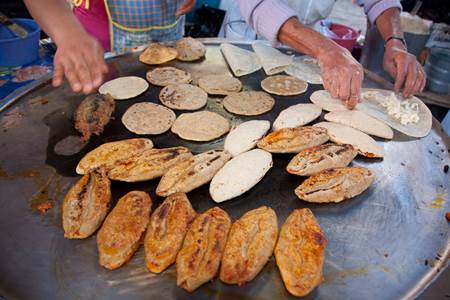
column 437, row 68
column 15, row 51
column 346, row 36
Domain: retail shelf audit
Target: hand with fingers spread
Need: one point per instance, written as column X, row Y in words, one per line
column 404, row 67
column 186, row 7
column 79, row 58
column 342, row 75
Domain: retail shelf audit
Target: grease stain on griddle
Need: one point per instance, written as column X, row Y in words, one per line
column 346, row 273
column 69, row 145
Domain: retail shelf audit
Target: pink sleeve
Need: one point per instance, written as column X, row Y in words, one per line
column 374, row 8
column 266, row 16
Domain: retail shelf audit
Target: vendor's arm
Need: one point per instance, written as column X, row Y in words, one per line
column 342, row 75
column 400, row 64
column 79, row 56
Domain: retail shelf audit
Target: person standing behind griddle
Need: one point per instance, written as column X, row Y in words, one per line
column 83, row 33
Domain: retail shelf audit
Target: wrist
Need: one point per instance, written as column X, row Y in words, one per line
column 395, row 43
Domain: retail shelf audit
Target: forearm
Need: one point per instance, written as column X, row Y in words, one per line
column 55, row 18
column 388, row 23
column 305, row 39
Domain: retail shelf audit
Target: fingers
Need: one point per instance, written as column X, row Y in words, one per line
column 58, row 73
column 355, row 89
column 71, row 75
column 400, row 76
column 424, row 81
column 97, row 68
column 411, row 78
column 186, row 7
column 344, row 86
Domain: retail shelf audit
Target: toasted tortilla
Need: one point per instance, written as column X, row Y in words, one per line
column 201, row 126
column 219, row 84
column 148, row 118
column 240, row 174
column 371, row 105
column 342, row 134
column 305, row 68
column 324, row 100
column 183, row 96
column 296, row 116
column 284, row 85
column 156, row 54
column 123, row 88
column 241, row 62
column 272, row 60
column 361, row 121
column 248, row 103
column 168, row 75
column 245, row 136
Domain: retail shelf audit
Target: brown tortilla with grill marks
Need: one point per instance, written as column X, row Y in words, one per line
column 284, row 85
column 156, row 54
column 183, row 96
column 220, row 84
column 168, row 75
column 190, row 49
column 251, row 103
column 200, row 126
column 148, row 118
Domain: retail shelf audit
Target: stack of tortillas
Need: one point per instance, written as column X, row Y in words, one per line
column 251, row 103
column 242, row 62
column 156, row 54
column 272, row 60
column 200, row 126
column 148, row 118
column 123, row 88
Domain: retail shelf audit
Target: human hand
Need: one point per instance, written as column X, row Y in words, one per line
column 79, row 58
column 404, row 67
column 342, row 75
column 186, row 7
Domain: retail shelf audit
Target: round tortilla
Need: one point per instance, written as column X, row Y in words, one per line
column 200, row 126
column 148, row 118
column 183, row 96
column 123, row 88
column 220, row 84
column 305, row 68
column 168, row 75
column 284, row 85
column 190, row 49
column 371, row 100
column 251, row 103
column 156, row 54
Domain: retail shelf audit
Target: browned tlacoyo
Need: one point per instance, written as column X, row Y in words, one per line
column 86, row 205
column 199, row 259
column 121, row 233
column 293, row 140
column 320, row 158
column 166, row 231
column 149, row 164
column 249, row 246
column 300, row 252
column 335, row 185
column 93, row 113
column 192, row 173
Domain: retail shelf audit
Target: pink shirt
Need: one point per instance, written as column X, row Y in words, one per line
column 95, row 21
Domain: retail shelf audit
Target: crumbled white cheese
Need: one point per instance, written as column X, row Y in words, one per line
column 403, row 111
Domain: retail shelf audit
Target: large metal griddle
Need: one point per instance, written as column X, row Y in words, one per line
column 388, row 243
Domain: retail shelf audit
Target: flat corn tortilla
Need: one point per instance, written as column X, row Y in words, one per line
column 123, row 88
column 200, row 126
column 190, row 49
column 168, row 75
column 284, row 85
column 148, row 118
column 183, row 96
column 249, row 103
column 156, row 54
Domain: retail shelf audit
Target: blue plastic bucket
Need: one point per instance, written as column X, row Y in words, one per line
column 15, row 51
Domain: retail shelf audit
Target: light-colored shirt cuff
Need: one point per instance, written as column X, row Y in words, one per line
column 268, row 17
column 375, row 10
